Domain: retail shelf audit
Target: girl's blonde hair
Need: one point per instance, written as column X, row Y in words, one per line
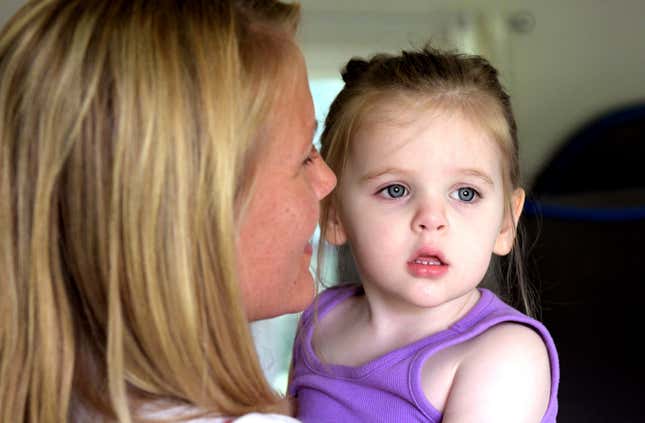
column 127, row 138
column 435, row 80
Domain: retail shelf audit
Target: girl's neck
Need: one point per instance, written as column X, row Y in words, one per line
column 362, row 328
column 402, row 323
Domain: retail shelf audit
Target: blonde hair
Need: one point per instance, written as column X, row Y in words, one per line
column 127, row 138
column 436, row 80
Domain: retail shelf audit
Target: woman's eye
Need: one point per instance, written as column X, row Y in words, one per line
column 313, row 155
column 394, row 191
column 466, row 195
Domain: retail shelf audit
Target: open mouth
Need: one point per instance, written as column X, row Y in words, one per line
column 428, row 261
column 428, row 264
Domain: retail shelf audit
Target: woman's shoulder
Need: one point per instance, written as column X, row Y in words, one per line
column 263, row 418
column 248, row 418
column 157, row 411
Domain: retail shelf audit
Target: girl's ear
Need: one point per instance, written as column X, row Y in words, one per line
column 506, row 237
column 335, row 231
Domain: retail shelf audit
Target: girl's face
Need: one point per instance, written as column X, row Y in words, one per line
column 291, row 178
column 422, row 206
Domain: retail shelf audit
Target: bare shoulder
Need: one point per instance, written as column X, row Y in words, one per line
column 504, row 376
column 510, row 340
column 329, row 326
column 337, row 337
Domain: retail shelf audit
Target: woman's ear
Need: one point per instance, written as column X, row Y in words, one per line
column 506, row 237
column 335, row 231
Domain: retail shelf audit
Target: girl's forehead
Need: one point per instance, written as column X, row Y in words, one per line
column 396, row 109
column 420, row 137
column 404, row 112
column 393, row 125
column 401, row 107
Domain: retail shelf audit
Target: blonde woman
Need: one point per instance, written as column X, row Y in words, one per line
column 157, row 194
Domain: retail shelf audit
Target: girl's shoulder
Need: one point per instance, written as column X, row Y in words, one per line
column 508, row 346
column 326, row 326
column 509, row 361
column 338, row 293
column 328, row 299
column 506, row 367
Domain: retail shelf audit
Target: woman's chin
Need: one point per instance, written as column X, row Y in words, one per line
column 293, row 298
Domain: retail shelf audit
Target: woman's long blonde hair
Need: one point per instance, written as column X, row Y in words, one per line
column 127, row 130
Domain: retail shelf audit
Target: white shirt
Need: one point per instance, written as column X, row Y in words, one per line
column 178, row 411
column 250, row 418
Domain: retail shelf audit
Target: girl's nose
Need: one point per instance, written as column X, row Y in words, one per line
column 325, row 180
column 430, row 218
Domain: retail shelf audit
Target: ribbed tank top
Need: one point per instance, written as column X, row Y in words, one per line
column 388, row 388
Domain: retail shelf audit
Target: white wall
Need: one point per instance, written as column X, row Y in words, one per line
column 581, row 58
column 8, row 8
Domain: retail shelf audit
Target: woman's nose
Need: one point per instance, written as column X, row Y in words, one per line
column 430, row 218
column 325, row 180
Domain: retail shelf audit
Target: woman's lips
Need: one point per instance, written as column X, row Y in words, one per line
column 309, row 250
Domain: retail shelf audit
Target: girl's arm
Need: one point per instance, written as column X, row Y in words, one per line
column 504, row 377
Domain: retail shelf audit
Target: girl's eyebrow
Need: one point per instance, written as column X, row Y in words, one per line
column 477, row 174
column 380, row 172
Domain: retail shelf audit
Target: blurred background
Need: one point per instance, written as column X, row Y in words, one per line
column 575, row 73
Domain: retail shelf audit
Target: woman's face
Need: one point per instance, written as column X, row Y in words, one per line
column 274, row 252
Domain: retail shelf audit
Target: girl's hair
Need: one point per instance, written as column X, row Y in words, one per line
column 436, row 80
column 127, row 138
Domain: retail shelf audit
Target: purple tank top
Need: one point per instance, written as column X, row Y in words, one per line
column 388, row 389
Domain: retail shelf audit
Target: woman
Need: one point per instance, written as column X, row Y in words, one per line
column 158, row 194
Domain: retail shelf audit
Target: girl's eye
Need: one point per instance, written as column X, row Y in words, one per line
column 467, row 195
column 394, row 191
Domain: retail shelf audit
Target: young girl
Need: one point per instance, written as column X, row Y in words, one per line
column 425, row 150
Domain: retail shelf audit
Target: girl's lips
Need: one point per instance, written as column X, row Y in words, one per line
column 422, row 270
column 427, row 263
column 309, row 250
column 428, row 254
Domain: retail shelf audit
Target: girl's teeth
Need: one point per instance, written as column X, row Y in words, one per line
column 428, row 262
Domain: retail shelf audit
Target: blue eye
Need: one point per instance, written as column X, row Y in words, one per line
column 467, row 195
column 394, row 191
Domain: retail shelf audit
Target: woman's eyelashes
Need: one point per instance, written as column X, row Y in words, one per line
column 313, row 155
column 393, row 191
